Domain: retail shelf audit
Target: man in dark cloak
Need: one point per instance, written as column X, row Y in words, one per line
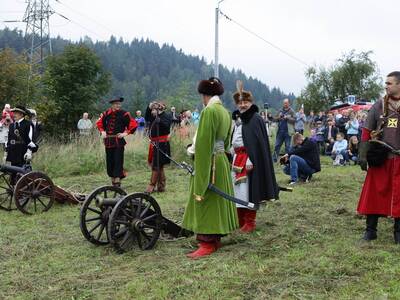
column 252, row 161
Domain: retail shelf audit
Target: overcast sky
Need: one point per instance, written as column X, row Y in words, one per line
column 317, row 32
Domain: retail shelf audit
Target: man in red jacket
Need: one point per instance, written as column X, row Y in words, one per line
column 379, row 155
column 114, row 124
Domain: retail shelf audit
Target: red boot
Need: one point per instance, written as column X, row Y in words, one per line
column 205, row 248
column 250, row 221
column 241, row 214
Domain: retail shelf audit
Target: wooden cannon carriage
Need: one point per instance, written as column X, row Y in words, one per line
column 110, row 216
column 30, row 191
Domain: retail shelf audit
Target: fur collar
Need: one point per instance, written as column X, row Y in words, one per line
column 248, row 114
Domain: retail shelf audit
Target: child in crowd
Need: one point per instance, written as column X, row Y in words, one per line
column 352, row 152
column 339, row 150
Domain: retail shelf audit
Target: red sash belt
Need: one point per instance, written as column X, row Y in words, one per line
column 239, row 165
column 159, row 139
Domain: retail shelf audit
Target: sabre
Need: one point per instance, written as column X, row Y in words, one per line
column 212, row 187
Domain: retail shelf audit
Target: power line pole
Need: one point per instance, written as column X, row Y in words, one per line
column 37, row 31
column 216, row 66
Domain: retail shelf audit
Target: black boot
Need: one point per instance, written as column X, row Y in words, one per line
column 397, row 230
column 372, row 224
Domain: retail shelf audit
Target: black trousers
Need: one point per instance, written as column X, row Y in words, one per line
column 115, row 162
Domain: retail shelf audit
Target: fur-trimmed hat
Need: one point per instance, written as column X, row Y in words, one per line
column 21, row 109
column 211, row 87
column 116, row 99
column 240, row 94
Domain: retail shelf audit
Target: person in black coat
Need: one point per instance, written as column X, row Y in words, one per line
column 253, row 175
column 159, row 129
column 302, row 161
column 20, row 145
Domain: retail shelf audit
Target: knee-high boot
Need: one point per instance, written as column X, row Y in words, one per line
column 371, row 228
column 153, row 181
column 161, row 181
column 396, row 230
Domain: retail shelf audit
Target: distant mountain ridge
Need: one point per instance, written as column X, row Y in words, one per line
column 142, row 71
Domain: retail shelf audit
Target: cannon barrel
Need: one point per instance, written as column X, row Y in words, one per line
column 13, row 169
column 107, row 202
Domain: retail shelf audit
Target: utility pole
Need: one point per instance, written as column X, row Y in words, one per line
column 216, row 64
column 37, row 31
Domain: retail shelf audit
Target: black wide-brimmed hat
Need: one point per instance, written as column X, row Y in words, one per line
column 21, row 109
column 211, row 87
column 116, row 99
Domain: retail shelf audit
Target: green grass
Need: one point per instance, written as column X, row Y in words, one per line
column 307, row 245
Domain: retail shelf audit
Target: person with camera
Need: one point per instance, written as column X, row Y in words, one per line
column 302, row 161
column 159, row 129
column 379, row 155
column 114, row 125
column 20, row 145
column 252, row 167
column 208, row 214
column 286, row 120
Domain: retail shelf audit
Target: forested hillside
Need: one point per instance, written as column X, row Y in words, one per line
column 143, row 70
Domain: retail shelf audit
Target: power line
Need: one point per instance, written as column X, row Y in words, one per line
column 266, row 41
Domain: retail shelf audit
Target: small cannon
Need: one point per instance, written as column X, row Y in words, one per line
column 33, row 192
column 110, row 216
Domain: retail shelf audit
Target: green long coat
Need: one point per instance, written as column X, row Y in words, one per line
column 214, row 214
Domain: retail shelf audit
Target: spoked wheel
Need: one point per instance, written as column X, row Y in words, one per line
column 6, row 193
column 34, row 193
column 95, row 213
column 135, row 220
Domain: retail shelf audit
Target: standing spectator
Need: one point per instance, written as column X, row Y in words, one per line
column 341, row 123
column 140, row 121
column 85, row 125
column 321, row 117
column 311, row 119
column 6, row 120
column 195, row 117
column 300, row 121
column 352, row 126
column 330, row 133
column 184, row 126
column 302, row 160
column 285, row 119
column 175, row 117
column 339, row 150
column 36, row 126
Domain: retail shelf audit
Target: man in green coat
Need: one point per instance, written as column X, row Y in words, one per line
column 208, row 215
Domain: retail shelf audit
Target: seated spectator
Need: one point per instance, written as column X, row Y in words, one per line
column 339, row 150
column 352, row 126
column 330, row 132
column 302, row 160
column 342, row 121
column 352, row 152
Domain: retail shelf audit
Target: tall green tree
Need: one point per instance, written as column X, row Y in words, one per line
column 353, row 74
column 16, row 87
column 75, row 80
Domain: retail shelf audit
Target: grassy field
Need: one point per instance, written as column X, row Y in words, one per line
column 307, row 245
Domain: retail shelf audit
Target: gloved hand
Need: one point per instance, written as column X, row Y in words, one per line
column 28, row 156
column 362, row 155
column 103, row 134
column 5, row 157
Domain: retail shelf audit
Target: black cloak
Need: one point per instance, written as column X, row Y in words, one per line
column 262, row 181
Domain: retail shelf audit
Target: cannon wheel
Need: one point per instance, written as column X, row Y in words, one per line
column 6, row 193
column 34, row 193
column 94, row 219
column 136, row 219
